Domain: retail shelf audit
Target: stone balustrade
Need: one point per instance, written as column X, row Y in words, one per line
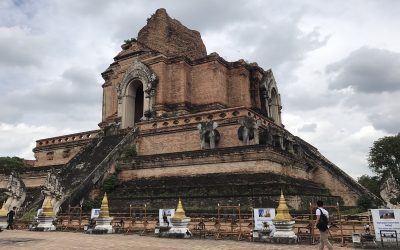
column 88, row 135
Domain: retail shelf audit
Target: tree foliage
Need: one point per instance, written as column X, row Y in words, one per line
column 384, row 157
column 88, row 204
column 365, row 202
column 372, row 183
column 9, row 164
column 130, row 152
column 111, row 183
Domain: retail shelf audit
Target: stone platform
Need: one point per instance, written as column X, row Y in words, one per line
column 16, row 239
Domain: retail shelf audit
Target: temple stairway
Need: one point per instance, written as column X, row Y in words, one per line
column 88, row 167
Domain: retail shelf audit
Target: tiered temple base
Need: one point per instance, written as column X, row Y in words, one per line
column 103, row 226
column 3, row 222
column 203, row 192
column 179, row 223
column 179, row 228
column 45, row 224
column 284, row 232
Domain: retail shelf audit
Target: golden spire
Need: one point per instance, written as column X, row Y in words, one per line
column 48, row 207
column 3, row 210
column 104, row 211
column 282, row 212
column 179, row 212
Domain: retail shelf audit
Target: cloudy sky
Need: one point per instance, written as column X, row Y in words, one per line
column 337, row 64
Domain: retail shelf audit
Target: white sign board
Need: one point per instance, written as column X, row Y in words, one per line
column 386, row 219
column 165, row 217
column 95, row 213
column 262, row 217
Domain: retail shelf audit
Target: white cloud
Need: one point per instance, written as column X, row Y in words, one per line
column 368, row 70
column 308, row 127
column 19, row 139
column 18, row 48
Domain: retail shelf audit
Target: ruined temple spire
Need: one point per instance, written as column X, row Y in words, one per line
column 171, row 38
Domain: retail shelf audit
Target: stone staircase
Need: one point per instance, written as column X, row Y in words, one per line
column 88, row 167
column 84, row 170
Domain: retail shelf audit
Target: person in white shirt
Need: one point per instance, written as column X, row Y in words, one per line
column 323, row 234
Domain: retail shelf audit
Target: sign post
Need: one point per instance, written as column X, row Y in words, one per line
column 386, row 224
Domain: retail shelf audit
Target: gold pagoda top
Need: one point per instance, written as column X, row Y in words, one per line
column 3, row 210
column 282, row 212
column 179, row 212
column 104, row 210
column 48, row 207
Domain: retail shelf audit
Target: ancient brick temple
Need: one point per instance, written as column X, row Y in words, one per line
column 200, row 127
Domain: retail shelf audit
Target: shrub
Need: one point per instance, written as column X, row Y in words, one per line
column 365, row 202
column 87, row 205
column 131, row 40
column 111, row 183
column 131, row 152
column 9, row 164
column 30, row 215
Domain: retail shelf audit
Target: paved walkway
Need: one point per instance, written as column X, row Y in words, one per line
column 18, row 239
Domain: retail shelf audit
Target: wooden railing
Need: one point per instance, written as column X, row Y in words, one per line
column 212, row 227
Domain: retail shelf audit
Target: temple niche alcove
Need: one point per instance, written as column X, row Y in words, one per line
column 133, row 104
column 136, row 95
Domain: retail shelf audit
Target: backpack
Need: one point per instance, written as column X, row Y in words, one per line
column 323, row 222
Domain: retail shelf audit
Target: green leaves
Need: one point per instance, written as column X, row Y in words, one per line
column 384, row 156
column 130, row 152
column 111, row 183
column 372, row 183
column 9, row 164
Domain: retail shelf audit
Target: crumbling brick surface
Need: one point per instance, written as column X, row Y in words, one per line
column 171, row 38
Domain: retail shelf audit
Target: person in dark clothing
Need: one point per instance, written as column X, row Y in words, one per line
column 323, row 234
column 10, row 218
column 165, row 218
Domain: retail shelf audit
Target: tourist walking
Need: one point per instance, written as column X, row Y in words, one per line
column 10, row 218
column 322, row 224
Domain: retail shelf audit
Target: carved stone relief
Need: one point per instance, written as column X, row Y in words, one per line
column 53, row 189
column 15, row 191
column 248, row 131
column 209, row 135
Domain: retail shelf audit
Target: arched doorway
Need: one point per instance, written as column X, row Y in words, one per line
column 132, row 104
column 139, row 103
column 136, row 95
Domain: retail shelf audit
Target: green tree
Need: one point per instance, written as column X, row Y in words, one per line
column 384, row 157
column 88, row 204
column 372, row 183
column 9, row 164
column 365, row 202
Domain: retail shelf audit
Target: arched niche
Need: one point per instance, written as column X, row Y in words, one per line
column 274, row 107
column 132, row 104
column 270, row 99
column 264, row 99
column 136, row 95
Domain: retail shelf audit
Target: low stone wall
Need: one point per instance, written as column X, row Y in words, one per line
column 202, row 193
